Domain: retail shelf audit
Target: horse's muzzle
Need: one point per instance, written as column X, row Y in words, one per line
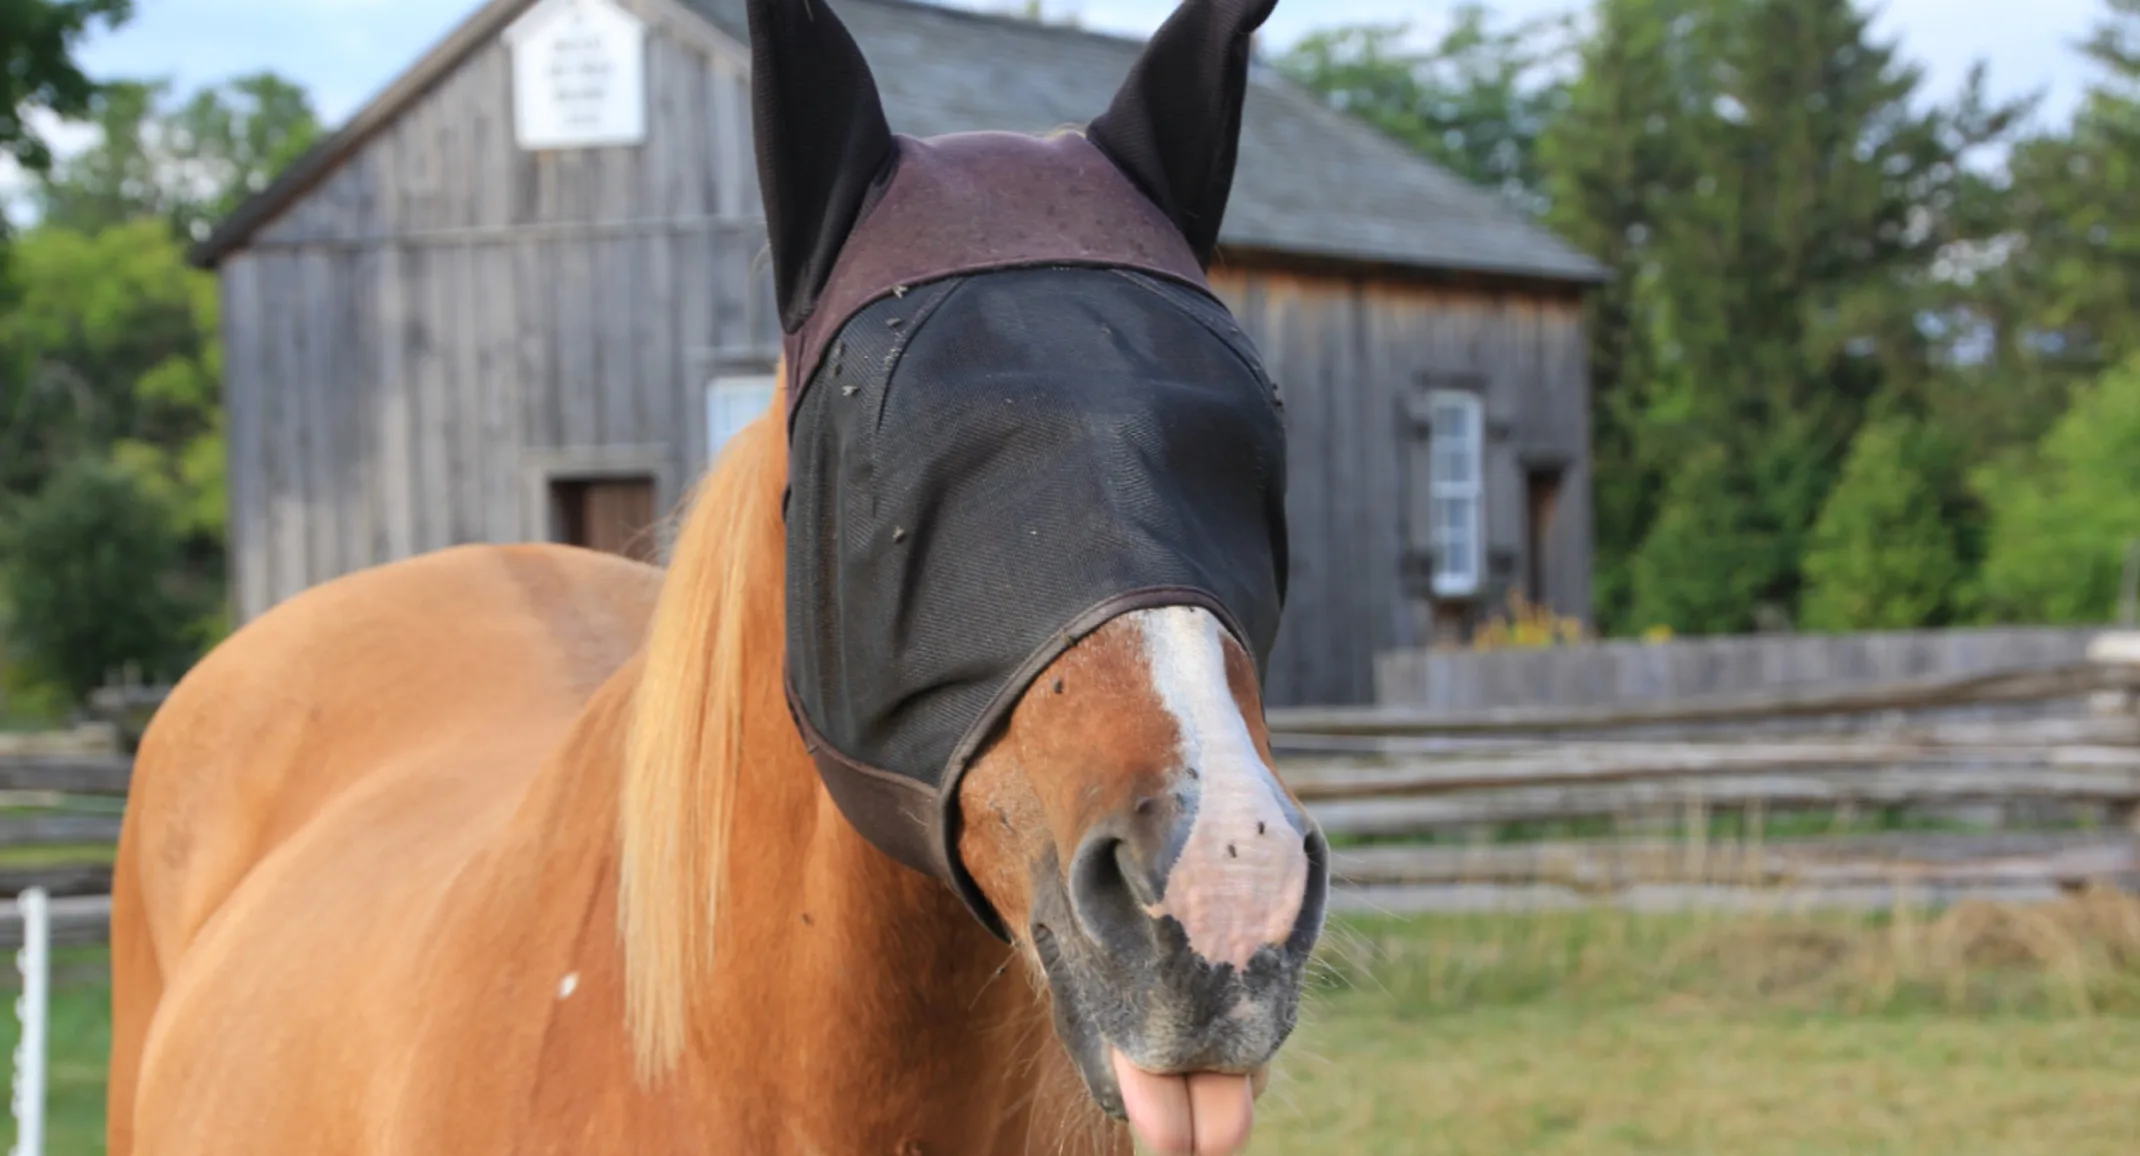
column 1176, row 945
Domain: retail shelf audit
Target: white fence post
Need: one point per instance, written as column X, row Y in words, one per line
column 34, row 962
column 2129, row 588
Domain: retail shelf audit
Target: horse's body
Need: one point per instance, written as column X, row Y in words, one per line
column 532, row 850
column 367, row 903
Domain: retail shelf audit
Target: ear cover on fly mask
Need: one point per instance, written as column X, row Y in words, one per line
column 824, row 147
column 1016, row 410
column 1175, row 126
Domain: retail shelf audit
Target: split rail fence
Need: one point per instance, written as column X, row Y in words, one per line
column 1535, row 805
column 2018, row 783
column 62, row 796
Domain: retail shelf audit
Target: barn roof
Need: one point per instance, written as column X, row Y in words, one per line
column 1312, row 181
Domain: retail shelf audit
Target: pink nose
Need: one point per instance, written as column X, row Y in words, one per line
column 1236, row 879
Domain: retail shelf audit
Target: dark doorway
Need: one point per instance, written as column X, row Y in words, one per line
column 1541, row 503
column 614, row 515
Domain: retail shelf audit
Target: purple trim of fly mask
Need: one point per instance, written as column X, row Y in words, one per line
column 972, row 202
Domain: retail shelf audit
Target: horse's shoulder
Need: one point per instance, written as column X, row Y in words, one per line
column 468, row 661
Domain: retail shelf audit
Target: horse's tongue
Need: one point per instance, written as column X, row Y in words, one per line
column 1206, row 1114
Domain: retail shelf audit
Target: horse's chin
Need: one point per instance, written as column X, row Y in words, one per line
column 1184, row 1083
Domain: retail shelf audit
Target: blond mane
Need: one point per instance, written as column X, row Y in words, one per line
column 684, row 746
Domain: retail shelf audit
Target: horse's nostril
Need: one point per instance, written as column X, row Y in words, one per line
column 1108, row 893
column 1308, row 927
column 1135, row 879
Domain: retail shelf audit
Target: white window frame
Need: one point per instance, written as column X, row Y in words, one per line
column 733, row 401
column 1449, row 482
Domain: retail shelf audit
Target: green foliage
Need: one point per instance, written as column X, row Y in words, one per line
column 114, row 180
column 1884, row 553
column 2073, row 285
column 1607, row 157
column 1709, row 555
column 1476, row 100
column 189, row 164
column 1773, row 191
column 90, row 566
column 113, row 340
column 111, row 417
column 37, row 69
column 2063, row 515
column 110, row 373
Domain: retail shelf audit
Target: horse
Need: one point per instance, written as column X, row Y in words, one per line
column 862, row 826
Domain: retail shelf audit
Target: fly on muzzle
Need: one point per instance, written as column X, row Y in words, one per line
column 1016, row 410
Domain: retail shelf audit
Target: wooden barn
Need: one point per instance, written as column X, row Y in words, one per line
column 523, row 294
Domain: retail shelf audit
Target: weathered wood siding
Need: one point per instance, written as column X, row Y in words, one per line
column 446, row 313
column 1347, row 353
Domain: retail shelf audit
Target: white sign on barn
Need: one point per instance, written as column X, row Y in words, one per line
column 579, row 75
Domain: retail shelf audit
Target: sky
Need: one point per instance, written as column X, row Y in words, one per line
column 344, row 51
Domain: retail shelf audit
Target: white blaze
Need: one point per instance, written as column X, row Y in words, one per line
column 1243, row 872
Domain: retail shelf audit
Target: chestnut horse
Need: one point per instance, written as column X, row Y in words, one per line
column 520, row 848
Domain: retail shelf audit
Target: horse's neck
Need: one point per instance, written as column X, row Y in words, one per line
column 854, row 1005
column 880, row 1016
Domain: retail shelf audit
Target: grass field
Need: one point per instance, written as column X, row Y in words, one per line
column 1987, row 1032
column 2000, row 1032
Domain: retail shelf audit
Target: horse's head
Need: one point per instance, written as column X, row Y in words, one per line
column 1036, row 546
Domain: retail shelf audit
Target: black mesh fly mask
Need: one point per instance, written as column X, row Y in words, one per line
column 1016, row 411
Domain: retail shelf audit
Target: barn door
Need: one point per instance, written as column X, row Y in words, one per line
column 614, row 515
column 1542, row 499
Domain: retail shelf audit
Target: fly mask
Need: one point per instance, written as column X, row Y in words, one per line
column 1016, row 410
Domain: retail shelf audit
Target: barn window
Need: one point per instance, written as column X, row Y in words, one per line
column 1456, row 464
column 731, row 404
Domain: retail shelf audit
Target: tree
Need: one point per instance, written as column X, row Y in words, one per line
column 115, row 180
column 230, row 142
column 1476, row 100
column 1885, row 554
column 110, row 369
column 88, row 581
column 1705, row 563
column 1773, row 192
column 112, row 358
column 37, row 68
column 113, row 340
column 2063, row 515
column 2061, row 303
column 1610, row 164
column 189, row 164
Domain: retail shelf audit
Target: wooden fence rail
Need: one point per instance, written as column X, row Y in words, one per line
column 1458, row 682
column 1396, row 774
column 2070, row 681
column 1403, row 775
column 81, row 774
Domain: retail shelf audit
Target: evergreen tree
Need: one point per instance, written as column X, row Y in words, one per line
column 1610, row 163
column 2061, row 304
column 1706, row 557
column 1765, row 177
column 2064, row 515
column 1884, row 554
